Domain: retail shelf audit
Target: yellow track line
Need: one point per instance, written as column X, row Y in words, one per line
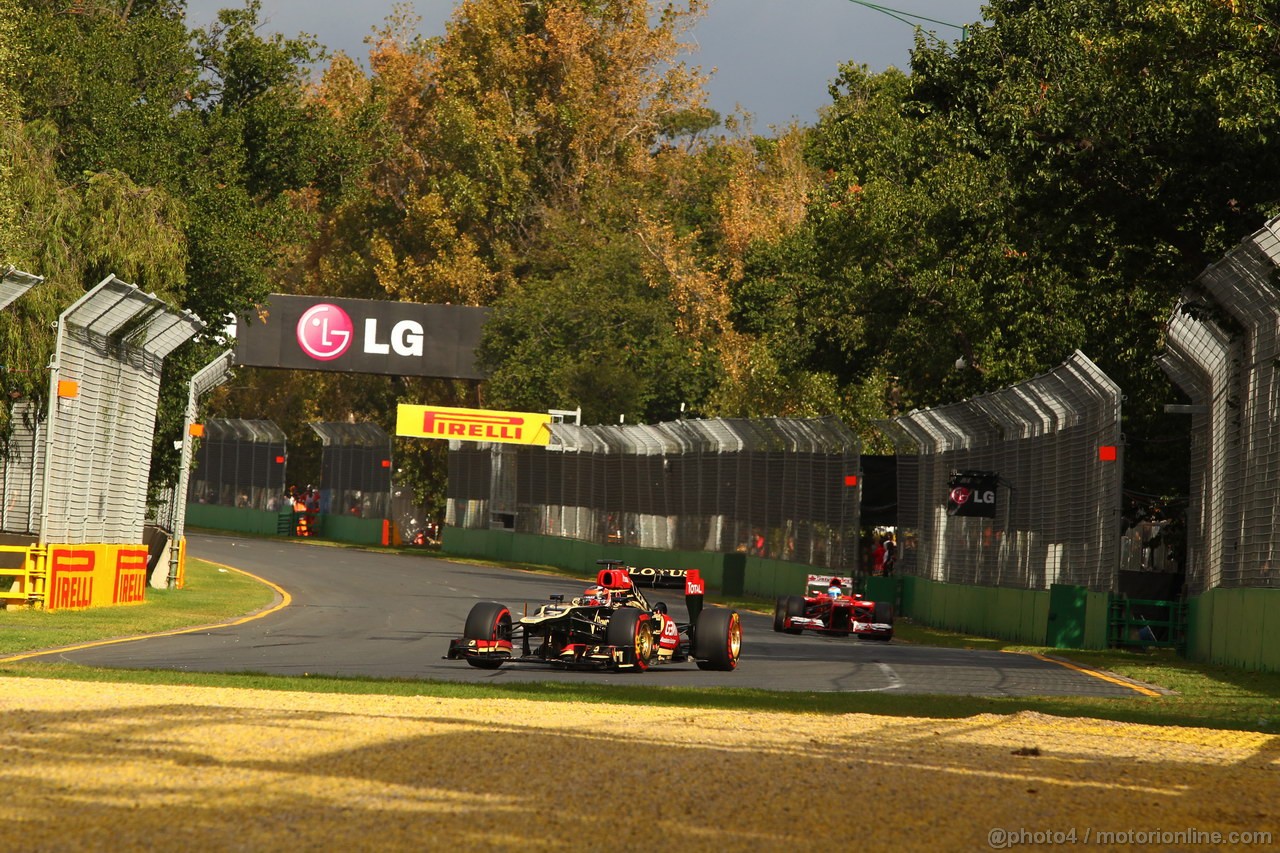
column 285, row 600
column 1137, row 688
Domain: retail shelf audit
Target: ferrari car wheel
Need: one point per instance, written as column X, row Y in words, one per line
column 717, row 639
column 489, row 622
column 795, row 608
column 632, row 629
column 780, row 613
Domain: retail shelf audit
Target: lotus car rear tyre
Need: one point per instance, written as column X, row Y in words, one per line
column 717, row 639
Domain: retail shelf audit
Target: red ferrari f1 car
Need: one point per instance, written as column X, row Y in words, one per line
column 610, row 626
column 826, row 609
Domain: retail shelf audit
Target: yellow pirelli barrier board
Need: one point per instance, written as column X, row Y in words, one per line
column 472, row 424
column 84, row 576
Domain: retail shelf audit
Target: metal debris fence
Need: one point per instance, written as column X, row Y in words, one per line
column 104, row 392
column 22, row 474
column 14, row 282
column 1053, row 445
column 785, row 488
column 355, row 469
column 240, row 463
column 1222, row 350
column 22, row 459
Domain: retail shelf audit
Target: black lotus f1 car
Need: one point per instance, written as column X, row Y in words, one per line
column 826, row 609
column 611, row 626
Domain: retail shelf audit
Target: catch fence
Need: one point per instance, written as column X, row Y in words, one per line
column 784, row 488
column 104, row 393
column 22, row 472
column 77, row 471
column 355, row 469
column 1017, row 488
column 1222, row 350
column 240, row 463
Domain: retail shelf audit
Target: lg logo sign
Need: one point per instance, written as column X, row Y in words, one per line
column 374, row 336
column 973, row 494
column 325, row 332
column 961, row 495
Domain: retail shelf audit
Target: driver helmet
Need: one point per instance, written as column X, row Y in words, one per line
column 834, row 588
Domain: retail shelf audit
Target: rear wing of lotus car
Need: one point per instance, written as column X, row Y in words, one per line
column 658, row 578
column 694, row 590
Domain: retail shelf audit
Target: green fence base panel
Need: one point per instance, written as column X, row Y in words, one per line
column 1097, row 612
column 1017, row 615
column 217, row 517
column 338, row 528
column 884, row 589
column 1236, row 627
column 1068, row 605
column 347, row 528
column 573, row 554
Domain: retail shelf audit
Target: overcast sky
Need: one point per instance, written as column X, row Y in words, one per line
column 773, row 57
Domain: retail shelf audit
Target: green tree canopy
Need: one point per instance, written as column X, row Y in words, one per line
column 1050, row 183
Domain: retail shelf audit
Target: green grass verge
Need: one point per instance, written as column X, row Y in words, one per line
column 1206, row 696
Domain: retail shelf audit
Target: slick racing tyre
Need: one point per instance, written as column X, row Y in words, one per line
column 717, row 639
column 632, row 629
column 780, row 613
column 488, row 621
column 795, row 608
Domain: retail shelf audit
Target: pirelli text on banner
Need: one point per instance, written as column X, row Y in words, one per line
column 473, row 424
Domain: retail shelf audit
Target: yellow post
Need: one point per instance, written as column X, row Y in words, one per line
column 182, row 564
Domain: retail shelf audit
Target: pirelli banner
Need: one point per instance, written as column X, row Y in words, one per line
column 361, row 336
column 473, row 424
column 84, row 576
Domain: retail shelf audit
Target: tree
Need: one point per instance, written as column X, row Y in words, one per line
column 11, row 60
column 1140, row 136
column 503, row 156
column 592, row 333
column 174, row 162
column 1050, row 183
column 521, row 109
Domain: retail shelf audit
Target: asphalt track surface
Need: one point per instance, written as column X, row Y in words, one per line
column 359, row 613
